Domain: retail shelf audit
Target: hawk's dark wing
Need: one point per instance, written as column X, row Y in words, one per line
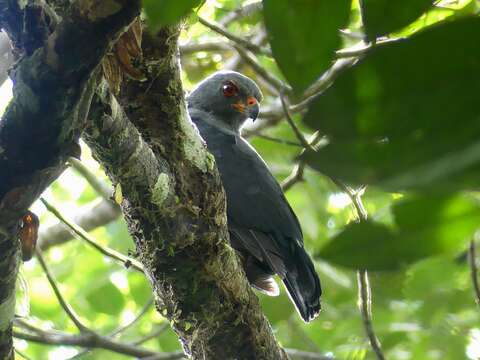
column 260, row 219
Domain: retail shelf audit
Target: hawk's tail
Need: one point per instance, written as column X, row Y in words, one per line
column 303, row 285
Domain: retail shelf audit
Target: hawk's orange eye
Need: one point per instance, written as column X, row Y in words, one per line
column 230, row 89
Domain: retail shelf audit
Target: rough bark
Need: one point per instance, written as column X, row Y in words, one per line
column 174, row 205
column 44, row 120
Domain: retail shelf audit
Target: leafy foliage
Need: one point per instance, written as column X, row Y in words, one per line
column 385, row 16
column 425, row 225
column 307, row 48
column 167, row 12
column 409, row 95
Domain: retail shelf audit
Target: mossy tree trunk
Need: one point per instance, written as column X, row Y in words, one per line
column 172, row 197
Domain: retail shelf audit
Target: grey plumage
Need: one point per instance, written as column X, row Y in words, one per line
column 263, row 227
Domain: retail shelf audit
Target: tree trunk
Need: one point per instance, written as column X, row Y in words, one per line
column 172, row 197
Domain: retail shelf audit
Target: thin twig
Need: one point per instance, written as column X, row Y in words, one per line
column 171, row 356
column 362, row 48
column 474, row 271
column 278, row 84
column 236, row 39
column 364, row 291
column 101, row 188
column 152, row 335
column 24, row 356
column 320, row 85
column 297, row 173
column 142, row 313
column 312, row 92
column 120, row 330
column 86, row 340
column 295, row 176
column 127, row 261
column 88, row 217
column 63, row 303
column 295, row 354
column 294, row 127
column 25, row 325
column 365, row 304
column 278, row 140
column 355, row 196
column 215, row 46
column 240, row 13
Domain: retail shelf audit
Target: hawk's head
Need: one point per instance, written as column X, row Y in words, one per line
column 229, row 96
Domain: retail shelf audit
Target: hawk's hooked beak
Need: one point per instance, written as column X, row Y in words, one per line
column 251, row 108
column 253, row 111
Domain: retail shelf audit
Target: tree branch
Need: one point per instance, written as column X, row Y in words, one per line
column 236, row 39
column 87, row 218
column 364, row 290
column 102, row 189
column 63, row 303
column 240, row 13
column 88, row 340
column 294, row 127
column 125, row 260
column 297, row 173
column 365, row 305
column 40, row 128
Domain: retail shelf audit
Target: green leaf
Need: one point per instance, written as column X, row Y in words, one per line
column 426, row 225
column 304, row 36
column 393, row 119
column 167, row 12
column 106, row 299
column 384, row 16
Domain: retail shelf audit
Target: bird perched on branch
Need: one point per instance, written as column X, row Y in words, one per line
column 263, row 227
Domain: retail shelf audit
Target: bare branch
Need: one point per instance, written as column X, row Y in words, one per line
column 235, row 62
column 136, row 319
column 125, row 260
column 355, row 196
column 101, row 188
column 295, row 176
column 236, row 39
column 294, row 127
column 88, row 218
column 295, row 354
column 364, row 291
column 87, row 340
column 63, row 303
column 155, row 333
column 279, row 85
column 297, row 173
column 278, row 140
column 362, row 49
column 365, row 305
column 121, row 329
column 164, row 357
column 241, row 12
column 215, row 46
